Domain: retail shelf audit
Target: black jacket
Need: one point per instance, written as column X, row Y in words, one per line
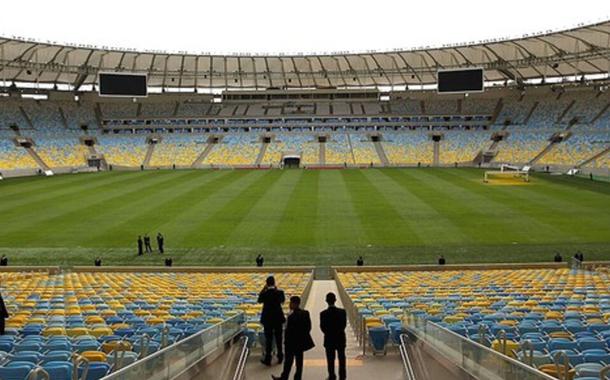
column 3, row 311
column 272, row 300
column 332, row 323
column 298, row 328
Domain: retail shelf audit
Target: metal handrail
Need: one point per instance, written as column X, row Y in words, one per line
column 241, row 363
column 153, row 356
column 466, row 341
column 38, row 371
column 566, row 365
column 122, row 348
column 528, row 352
column 77, row 360
column 144, row 348
column 406, row 361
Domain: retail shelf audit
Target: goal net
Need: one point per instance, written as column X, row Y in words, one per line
column 506, row 176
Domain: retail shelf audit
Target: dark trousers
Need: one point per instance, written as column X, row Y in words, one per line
column 2, row 324
column 148, row 248
column 331, row 353
column 273, row 332
column 161, row 248
column 297, row 358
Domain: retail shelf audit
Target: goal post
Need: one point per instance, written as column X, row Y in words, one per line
column 506, row 176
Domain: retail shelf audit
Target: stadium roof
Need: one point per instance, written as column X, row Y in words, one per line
column 574, row 52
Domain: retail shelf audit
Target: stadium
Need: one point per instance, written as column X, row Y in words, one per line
column 456, row 199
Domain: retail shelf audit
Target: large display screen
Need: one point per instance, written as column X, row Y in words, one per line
column 467, row 80
column 114, row 84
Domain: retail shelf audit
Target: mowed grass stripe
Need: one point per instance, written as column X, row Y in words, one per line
column 151, row 210
column 25, row 217
column 176, row 227
column 62, row 225
column 538, row 205
column 525, row 228
column 221, row 223
column 382, row 224
column 58, row 194
column 337, row 222
column 297, row 224
column 427, row 222
column 258, row 225
column 541, row 217
column 195, row 220
column 15, row 189
column 480, row 226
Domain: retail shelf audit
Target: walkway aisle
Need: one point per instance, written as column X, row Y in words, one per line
column 387, row 367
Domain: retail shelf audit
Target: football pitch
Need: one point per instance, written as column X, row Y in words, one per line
column 301, row 217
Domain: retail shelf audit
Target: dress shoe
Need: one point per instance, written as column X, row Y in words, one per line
column 280, row 359
column 266, row 362
column 276, row 377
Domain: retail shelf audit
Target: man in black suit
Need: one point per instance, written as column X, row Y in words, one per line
column 3, row 261
column 332, row 323
column 160, row 242
column 360, row 261
column 272, row 319
column 260, row 260
column 140, row 246
column 98, row 262
column 297, row 339
column 147, row 244
column 3, row 315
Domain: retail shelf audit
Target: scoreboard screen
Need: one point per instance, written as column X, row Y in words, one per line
column 119, row 84
column 460, row 81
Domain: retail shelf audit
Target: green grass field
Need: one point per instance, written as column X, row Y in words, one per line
column 391, row 216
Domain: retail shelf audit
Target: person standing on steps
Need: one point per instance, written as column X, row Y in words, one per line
column 297, row 340
column 272, row 319
column 147, row 244
column 3, row 315
column 333, row 322
column 160, row 242
column 140, row 246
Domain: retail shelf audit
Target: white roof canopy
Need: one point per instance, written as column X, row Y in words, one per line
column 579, row 51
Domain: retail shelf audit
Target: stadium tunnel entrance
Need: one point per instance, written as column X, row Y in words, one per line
column 291, row 161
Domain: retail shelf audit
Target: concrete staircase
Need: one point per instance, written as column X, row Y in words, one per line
column 543, row 153
column 381, row 153
column 322, row 154
column 351, row 148
column 206, row 151
column 594, row 158
column 436, row 153
column 261, row 153
column 149, row 153
column 43, row 165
